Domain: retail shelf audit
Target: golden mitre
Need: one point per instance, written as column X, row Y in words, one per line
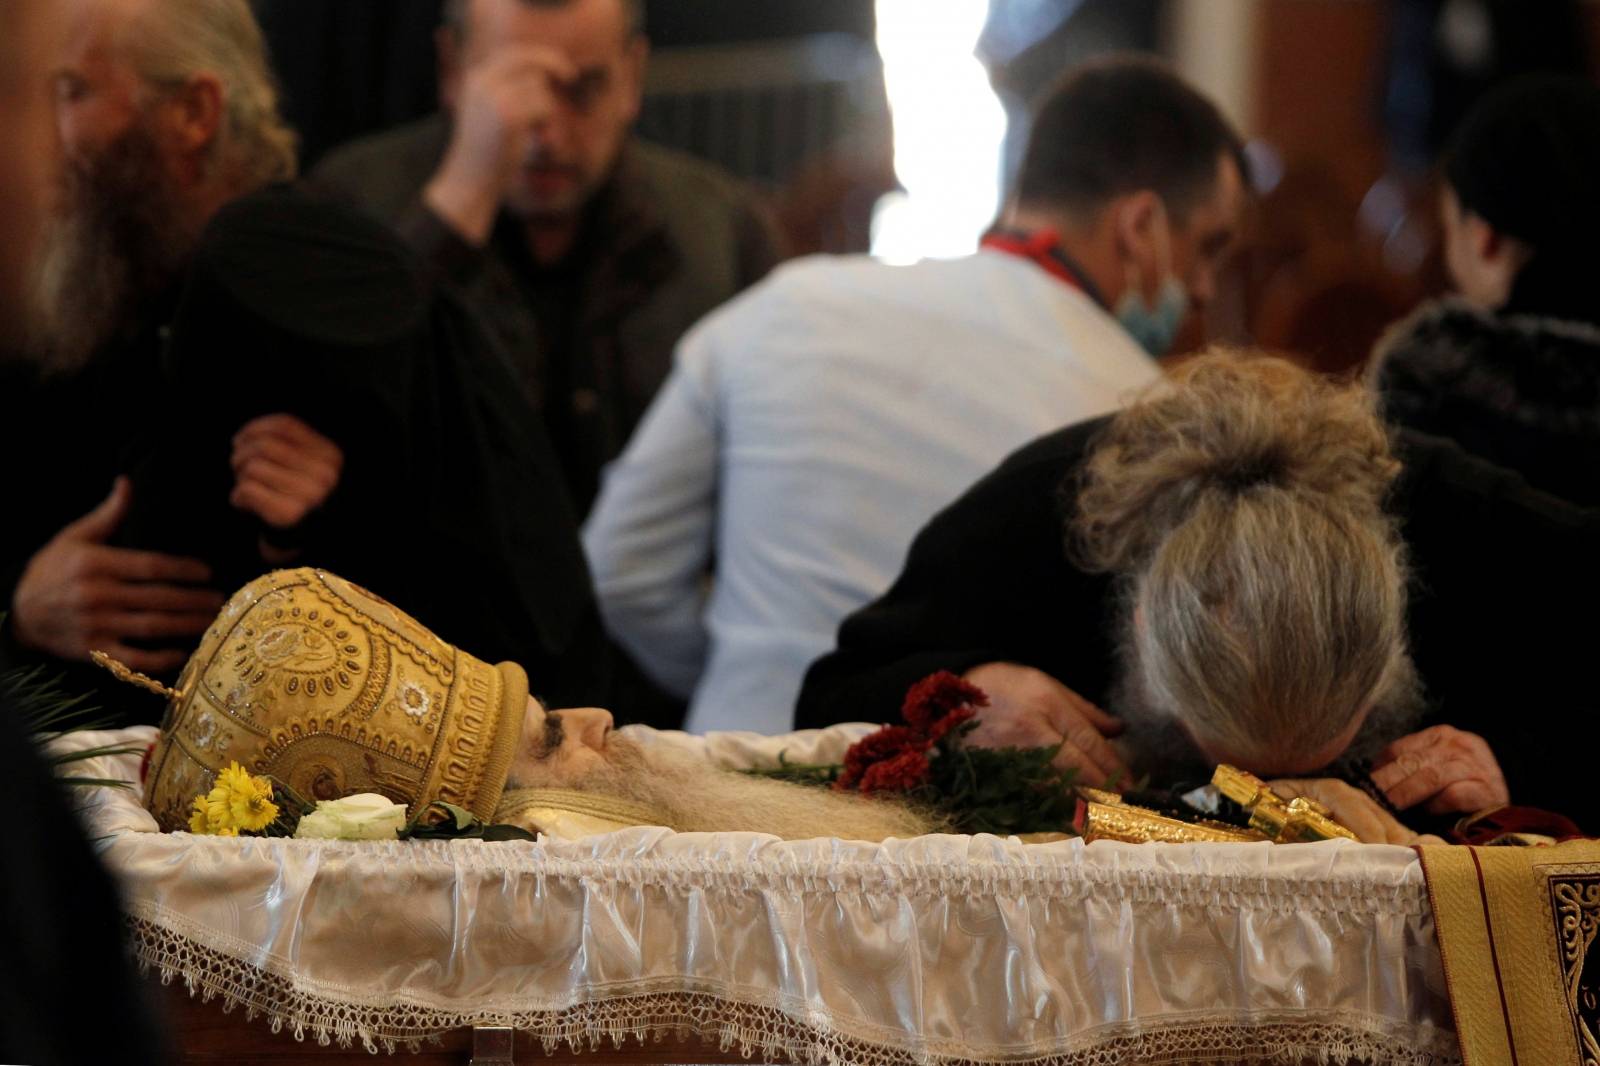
column 334, row 691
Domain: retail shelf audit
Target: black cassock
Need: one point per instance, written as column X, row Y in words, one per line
column 450, row 505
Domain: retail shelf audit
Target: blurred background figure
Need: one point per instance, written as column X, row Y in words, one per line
column 587, row 251
column 1511, row 370
column 813, row 424
column 63, row 947
column 28, row 154
column 1346, row 106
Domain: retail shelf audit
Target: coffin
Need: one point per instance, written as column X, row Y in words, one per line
column 710, row 947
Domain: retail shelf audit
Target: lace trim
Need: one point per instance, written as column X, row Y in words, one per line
column 763, row 1029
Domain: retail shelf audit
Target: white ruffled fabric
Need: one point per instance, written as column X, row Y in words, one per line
column 933, row 950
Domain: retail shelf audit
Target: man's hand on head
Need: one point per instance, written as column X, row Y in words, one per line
column 1445, row 768
column 1030, row 709
column 503, row 101
column 79, row 595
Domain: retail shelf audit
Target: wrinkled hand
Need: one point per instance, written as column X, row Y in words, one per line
column 78, row 595
column 1449, row 769
column 1030, row 709
column 283, row 470
column 503, row 101
column 1353, row 809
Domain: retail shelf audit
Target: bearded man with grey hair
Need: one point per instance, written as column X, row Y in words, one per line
column 254, row 375
column 1246, row 567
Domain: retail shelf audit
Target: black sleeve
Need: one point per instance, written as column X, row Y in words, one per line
column 292, row 305
column 63, row 945
column 987, row 580
column 1406, row 398
column 1504, row 583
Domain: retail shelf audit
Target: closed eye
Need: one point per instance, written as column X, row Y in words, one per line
column 554, row 733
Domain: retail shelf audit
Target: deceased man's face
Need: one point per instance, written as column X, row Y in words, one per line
column 559, row 748
column 579, row 750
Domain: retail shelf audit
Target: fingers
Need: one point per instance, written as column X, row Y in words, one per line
column 1452, row 769
column 146, row 662
column 1107, row 725
column 155, row 625
column 1097, row 756
column 98, row 525
column 1348, row 806
column 284, row 438
column 1081, row 731
column 277, row 509
column 1433, row 779
column 1420, row 741
column 285, row 469
column 1466, row 797
column 309, row 487
column 1093, row 768
column 140, row 596
column 1000, row 727
column 131, row 565
column 1396, row 770
column 523, row 60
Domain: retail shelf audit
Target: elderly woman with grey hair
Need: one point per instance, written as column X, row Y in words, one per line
column 1245, row 565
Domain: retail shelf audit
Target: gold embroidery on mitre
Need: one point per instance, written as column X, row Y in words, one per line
column 315, row 681
column 128, row 675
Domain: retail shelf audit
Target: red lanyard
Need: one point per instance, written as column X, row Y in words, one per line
column 1043, row 247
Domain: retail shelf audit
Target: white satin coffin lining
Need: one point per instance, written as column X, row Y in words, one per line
column 935, row 950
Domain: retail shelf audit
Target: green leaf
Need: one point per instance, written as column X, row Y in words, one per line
column 96, row 782
column 500, row 831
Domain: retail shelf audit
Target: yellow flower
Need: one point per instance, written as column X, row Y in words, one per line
column 237, row 802
column 246, row 800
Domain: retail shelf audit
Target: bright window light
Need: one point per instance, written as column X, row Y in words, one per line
column 948, row 130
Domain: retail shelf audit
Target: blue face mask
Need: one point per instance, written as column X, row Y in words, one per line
column 1155, row 328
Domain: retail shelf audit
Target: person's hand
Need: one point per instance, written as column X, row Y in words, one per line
column 1030, row 709
column 1448, row 769
column 78, row 595
column 503, row 101
column 283, row 470
column 1353, row 809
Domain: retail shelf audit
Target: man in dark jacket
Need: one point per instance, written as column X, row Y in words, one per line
column 1511, row 369
column 990, row 590
column 590, row 253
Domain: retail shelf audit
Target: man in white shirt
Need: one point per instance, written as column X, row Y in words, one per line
column 813, row 424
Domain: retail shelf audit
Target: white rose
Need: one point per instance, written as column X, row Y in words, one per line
column 364, row 816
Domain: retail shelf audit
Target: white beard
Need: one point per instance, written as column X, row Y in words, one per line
column 692, row 797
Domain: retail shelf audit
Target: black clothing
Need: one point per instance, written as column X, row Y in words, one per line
column 1526, row 160
column 65, row 438
column 68, row 993
column 1520, row 391
column 667, row 239
column 450, row 503
column 1498, row 574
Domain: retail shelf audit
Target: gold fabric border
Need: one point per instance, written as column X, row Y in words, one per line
column 1516, row 927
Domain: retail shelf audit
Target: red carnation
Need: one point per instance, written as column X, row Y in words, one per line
column 936, row 695
column 940, row 729
column 902, row 773
column 887, row 743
